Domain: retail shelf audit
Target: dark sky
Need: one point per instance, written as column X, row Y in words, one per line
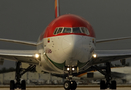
column 26, row 19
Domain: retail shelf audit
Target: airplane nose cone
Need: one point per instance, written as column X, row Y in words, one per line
column 72, row 47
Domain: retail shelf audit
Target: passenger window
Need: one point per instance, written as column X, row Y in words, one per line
column 76, row 30
column 67, row 30
column 85, row 30
column 59, row 30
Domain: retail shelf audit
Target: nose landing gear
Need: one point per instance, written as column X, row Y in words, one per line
column 70, row 84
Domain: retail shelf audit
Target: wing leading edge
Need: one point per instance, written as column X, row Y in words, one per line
column 19, row 41
column 26, row 56
column 103, row 56
column 112, row 39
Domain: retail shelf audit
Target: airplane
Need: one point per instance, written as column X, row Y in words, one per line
column 66, row 46
column 123, row 73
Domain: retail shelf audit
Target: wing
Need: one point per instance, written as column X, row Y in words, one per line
column 19, row 41
column 112, row 39
column 26, row 56
column 103, row 56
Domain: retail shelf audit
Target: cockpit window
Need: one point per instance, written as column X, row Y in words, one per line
column 71, row 30
column 55, row 31
column 59, row 30
column 76, row 30
column 85, row 30
column 67, row 30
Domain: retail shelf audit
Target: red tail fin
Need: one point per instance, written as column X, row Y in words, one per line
column 57, row 8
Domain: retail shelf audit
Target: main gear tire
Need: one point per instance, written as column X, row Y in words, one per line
column 102, row 84
column 113, row 84
column 12, row 85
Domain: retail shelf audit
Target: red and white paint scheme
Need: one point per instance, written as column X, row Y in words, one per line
column 66, row 46
column 69, row 40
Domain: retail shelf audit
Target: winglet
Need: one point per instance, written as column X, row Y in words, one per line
column 57, row 8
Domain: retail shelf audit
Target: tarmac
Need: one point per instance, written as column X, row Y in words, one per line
column 60, row 87
column 124, row 88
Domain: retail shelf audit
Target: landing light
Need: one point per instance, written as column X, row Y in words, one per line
column 37, row 55
column 68, row 69
column 73, row 69
column 94, row 55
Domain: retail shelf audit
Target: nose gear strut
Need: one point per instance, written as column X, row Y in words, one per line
column 70, row 84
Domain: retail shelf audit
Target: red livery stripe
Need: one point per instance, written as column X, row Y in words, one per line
column 68, row 20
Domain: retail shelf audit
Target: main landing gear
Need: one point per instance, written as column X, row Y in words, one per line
column 69, row 84
column 108, row 83
column 19, row 72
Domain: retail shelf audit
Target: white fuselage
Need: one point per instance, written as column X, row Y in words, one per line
column 65, row 50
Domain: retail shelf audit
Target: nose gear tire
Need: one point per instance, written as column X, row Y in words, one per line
column 70, row 85
column 67, row 85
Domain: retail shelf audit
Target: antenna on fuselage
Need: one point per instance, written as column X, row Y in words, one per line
column 57, row 8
